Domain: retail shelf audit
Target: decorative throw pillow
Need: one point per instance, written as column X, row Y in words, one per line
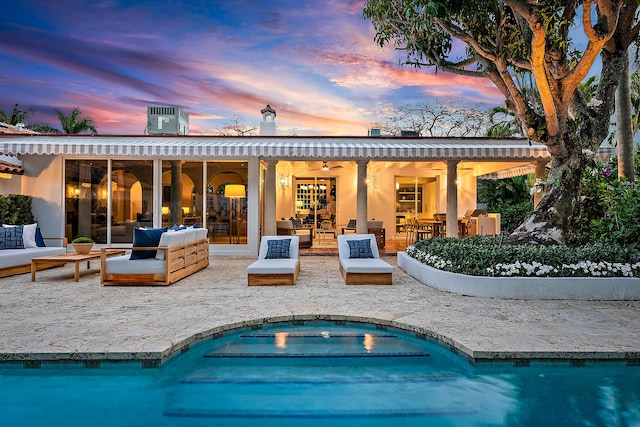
column 146, row 237
column 360, row 248
column 39, row 238
column 278, row 249
column 11, row 237
column 29, row 235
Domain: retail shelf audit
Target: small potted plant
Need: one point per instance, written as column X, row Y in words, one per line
column 82, row 245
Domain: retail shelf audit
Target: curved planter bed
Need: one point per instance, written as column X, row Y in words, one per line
column 570, row 288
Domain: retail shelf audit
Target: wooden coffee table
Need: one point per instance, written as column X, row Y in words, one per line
column 43, row 262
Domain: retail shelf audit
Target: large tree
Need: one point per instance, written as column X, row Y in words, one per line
column 445, row 118
column 503, row 39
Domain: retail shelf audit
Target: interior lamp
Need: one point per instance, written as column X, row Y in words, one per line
column 234, row 191
column 284, row 182
column 4, row 175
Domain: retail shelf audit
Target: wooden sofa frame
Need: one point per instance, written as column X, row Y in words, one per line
column 282, row 279
column 181, row 261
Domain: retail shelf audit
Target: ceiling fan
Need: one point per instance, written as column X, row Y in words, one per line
column 326, row 167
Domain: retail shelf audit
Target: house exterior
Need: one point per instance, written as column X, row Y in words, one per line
column 79, row 181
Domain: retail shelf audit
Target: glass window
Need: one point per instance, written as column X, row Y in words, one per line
column 226, row 201
column 182, row 193
column 86, row 199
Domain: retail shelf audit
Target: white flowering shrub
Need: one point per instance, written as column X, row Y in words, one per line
column 487, row 256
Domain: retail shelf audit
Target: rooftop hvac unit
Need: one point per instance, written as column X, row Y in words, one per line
column 167, row 120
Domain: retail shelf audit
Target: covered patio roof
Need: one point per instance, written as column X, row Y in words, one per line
column 284, row 147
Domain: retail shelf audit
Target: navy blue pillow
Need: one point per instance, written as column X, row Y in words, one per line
column 146, row 237
column 360, row 248
column 278, row 249
column 39, row 240
column 11, row 238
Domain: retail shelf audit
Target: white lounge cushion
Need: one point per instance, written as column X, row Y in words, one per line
column 365, row 265
column 169, row 238
column 273, row 266
column 190, row 235
column 293, row 248
column 18, row 257
column 343, row 245
column 123, row 265
column 201, row 233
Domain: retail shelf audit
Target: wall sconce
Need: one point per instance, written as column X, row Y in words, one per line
column 76, row 192
column 284, row 182
column 165, row 210
column 6, row 175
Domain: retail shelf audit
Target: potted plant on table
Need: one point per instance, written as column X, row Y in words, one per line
column 82, row 245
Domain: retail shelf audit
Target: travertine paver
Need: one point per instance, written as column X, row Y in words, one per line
column 57, row 318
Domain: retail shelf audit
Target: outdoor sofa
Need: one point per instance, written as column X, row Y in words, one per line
column 19, row 244
column 360, row 262
column 158, row 257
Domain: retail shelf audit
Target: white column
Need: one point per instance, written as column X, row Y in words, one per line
column 361, row 198
column 269, row 226
column 452, row 198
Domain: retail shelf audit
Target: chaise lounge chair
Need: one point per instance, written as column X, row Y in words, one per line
column 360, row 262
column 277, row 263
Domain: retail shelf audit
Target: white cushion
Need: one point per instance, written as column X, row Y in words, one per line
column 273, row 266
column 123, row 265
column 343, row 246
column 190, row 235
column 293, row 247
column 201, row 233
column 169, row 238
column 18, row 257
column 365, row 265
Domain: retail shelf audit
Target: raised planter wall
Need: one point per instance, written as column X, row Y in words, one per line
column 559, row 288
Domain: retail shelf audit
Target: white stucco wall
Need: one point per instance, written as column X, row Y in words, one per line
column 42, row 180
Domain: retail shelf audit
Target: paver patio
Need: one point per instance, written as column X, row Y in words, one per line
column 56, row 318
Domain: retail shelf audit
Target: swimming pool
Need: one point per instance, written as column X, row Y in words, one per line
column 316, row 374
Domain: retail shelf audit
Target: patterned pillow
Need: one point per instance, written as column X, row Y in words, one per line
column 360, row 248
column 11, row 238
column 278, row 249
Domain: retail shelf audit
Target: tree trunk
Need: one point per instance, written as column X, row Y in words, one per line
column 552, row 217
column 624, row 124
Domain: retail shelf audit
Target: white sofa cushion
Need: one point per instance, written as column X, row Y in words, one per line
column 190, row 235
column 273, row 266
column 18, row 257
column 201, row 233
column 123, row 265
column 169, row 238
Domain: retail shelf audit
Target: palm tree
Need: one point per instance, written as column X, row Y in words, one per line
column 71, row 125
column 17, row 115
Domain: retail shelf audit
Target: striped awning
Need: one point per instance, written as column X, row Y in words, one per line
column 510, row 173
column 285, row 148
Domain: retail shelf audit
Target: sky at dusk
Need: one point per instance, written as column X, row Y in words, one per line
column 315, row 62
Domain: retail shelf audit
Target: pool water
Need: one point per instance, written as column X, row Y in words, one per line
column 318, row 374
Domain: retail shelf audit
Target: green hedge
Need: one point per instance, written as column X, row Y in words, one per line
column 16, row 209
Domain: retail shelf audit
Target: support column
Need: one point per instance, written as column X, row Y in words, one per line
column 539, row 177
column 361, row 198
column 452, row 198
column 269, row 226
